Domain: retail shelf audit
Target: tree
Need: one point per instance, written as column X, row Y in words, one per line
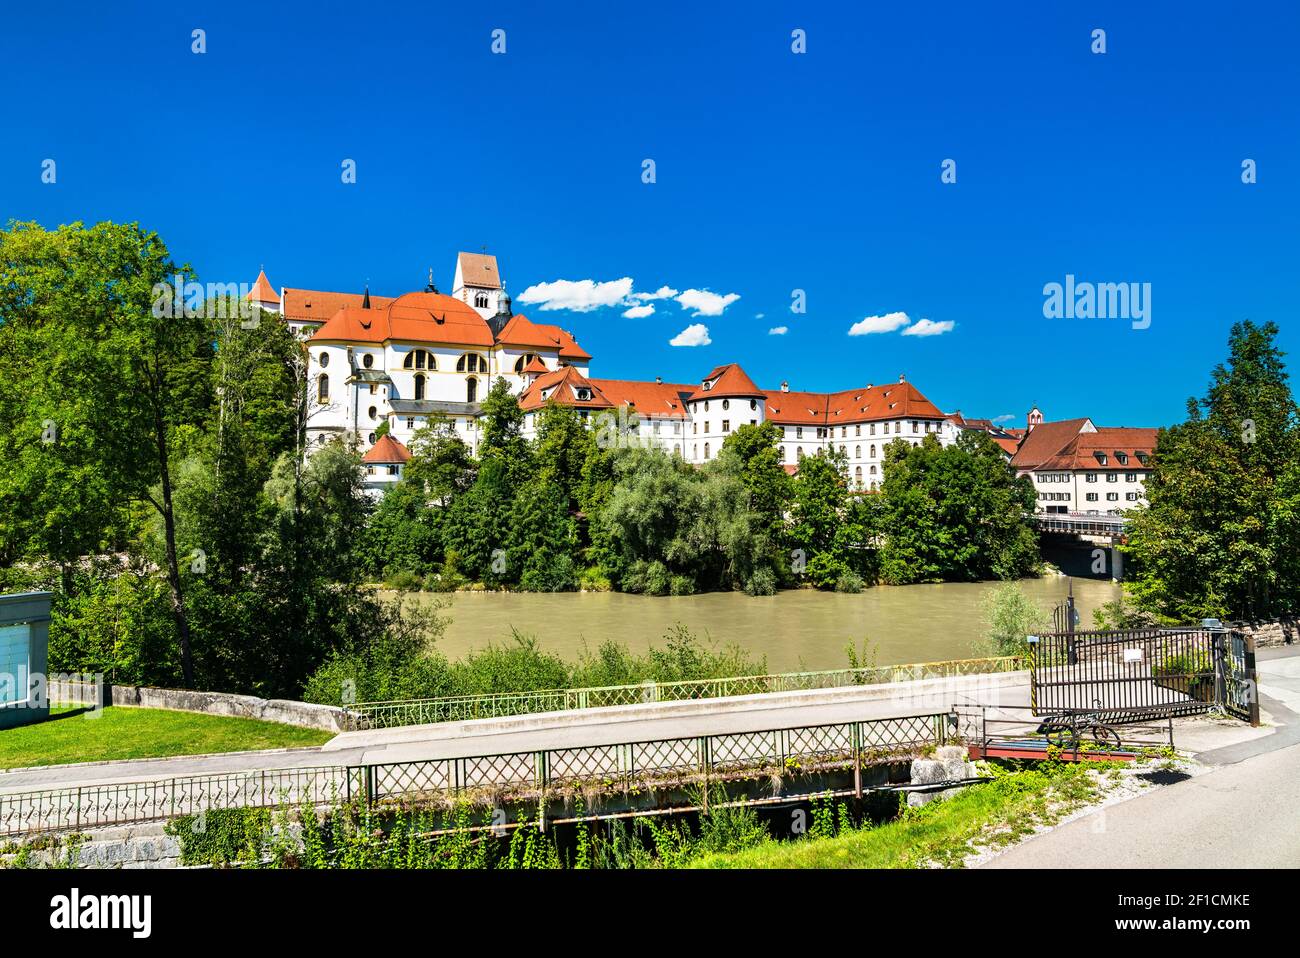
column 1217, row 537
column 110, row 367
column 820, row 502
column 955, row 513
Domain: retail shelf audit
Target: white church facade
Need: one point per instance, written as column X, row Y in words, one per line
column 402, row 361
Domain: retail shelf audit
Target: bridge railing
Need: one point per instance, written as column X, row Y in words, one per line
column 504, row 777
column 426, row 711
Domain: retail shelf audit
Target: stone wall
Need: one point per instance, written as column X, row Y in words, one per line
column 327, row 717
column 1271, row 633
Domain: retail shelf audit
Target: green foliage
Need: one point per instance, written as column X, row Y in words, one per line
column 1009, row 616
column 955, row 513
column 221, row 836
column 1218, row 535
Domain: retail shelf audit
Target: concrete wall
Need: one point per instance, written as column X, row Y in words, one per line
column 327, row 717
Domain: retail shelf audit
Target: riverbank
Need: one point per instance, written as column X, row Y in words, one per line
column 794, row 630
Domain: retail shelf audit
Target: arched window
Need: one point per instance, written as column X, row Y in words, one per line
column 677, row 449
column 726, row 404
column 323, row 359
column 753, row 404
column 873, row 470
column 471, row 390
column 857, row 452
column 798, row 453
column 857, row 476
column 419, row 385
column 873, row 452
column 419, row 359
column 706, row 450
column 523, row 361
column 471, row 363
column 780, row 453
column 873, row 487
column 323, row 388
column 371, row 412
column 367, row 360
column 481, row 300
column 372, row 437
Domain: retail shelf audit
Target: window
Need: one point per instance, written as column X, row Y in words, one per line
column 726, row 425
column 371, row 412
column 821, row 432
column 583, row 394
column 523, row 361
column 481, row 300
column 857, row 452
column 873, row 432
column 913, row 425
column 706, row 450
column 373, row 389
column 392, row 470
column 873, row 451
column 1130, row 477
column 1090, row 477
column 367, row 360
column 471, row 390
column 1091, row 497
column 370, row 470
column 1122, row 457
column 798, row 432
column 419, row 359
column 371, row 438
column 1112, row 497
column 873, row 470
column 753, row 404
column 857, row 476
column 844, row 432
column 780, row 453
column 419, row 385
column 323, row 388
column 1131, row 496
column 726, row 404
column 898, row 427
column 798, row 453
column 410, row 422
column 753, row 422
column 706, row 405
column 706, row 427
column 677, row 449
column 1112, row 477
column 323, row 359
column 471, row 363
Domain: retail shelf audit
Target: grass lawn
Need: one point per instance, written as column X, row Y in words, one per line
column 943, row 833
column 78, row 735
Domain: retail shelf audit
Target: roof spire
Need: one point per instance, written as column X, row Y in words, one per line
column 430, row 288
column 365, row 301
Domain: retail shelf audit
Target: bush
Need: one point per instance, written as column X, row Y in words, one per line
column 849, row 582
column 1010, row 615
column 761, row 582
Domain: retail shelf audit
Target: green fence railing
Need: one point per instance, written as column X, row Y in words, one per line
column 400, row 712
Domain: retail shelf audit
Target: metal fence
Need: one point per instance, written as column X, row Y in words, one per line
column 391, row 714
column 1177, row 670
column 526, row 775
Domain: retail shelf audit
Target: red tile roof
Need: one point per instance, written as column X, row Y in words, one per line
column 315, row 306
column 649, row 399
column 868, row 404
column 263, row 291
column 728, row 382
column 1073, row 444
column 535, row 365
column 522, row 331
column 479, row 269
column 562, row 385
column 387, row 450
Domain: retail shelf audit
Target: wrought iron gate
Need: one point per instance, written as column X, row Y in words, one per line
column 1148, row 671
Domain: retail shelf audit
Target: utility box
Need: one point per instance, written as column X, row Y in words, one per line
column 24, row 658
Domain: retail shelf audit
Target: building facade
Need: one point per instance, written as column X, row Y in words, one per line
column 374, row 360
column 1082, row 469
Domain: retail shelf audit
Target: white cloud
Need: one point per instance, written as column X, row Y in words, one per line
column 759, row 315
column 928, row 327
column 696, row 334
column 581, row 296
column 637, row 312
column 702, row 302
column 663, row 292
column 878, row 324
column 778, row 330
column 1005, row 417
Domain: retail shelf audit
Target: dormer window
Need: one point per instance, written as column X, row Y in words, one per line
column 583, row 394
column 708, row 384
column 1101, row 457
column 1122, row 458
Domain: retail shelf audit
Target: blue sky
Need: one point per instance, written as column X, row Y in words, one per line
column 774, row 172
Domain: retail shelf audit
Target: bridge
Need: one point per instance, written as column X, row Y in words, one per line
column 1105, row 530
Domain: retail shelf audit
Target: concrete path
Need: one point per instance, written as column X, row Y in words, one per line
column 527, row 733
column 1239, row 816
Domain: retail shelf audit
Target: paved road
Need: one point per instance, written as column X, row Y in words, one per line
column 1239, row 816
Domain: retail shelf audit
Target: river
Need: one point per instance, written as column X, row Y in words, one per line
column 795, row 630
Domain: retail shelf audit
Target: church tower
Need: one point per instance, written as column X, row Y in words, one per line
column 478, row 283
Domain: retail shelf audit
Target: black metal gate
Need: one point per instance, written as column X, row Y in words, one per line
column 1152, row 671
